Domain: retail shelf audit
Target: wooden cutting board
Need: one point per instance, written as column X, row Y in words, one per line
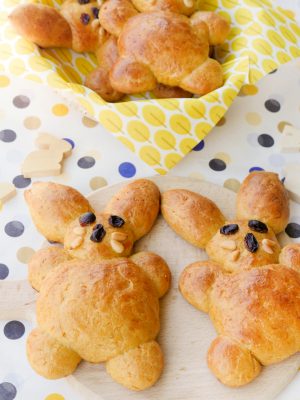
column 186, row 333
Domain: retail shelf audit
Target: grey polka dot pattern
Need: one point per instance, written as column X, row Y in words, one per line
column 86, row 162
column 21, row 101
column 4, row 271
column 217, row 165
column 14, row 330
column 7, row 135
column 7, row 391
column 14, row 228
column 265, row 140
column 20, row 182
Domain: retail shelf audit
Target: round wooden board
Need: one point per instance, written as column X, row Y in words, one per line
column 186, row 333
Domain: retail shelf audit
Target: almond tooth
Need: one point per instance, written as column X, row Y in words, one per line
column 228, row 245
column 188, row 3
column 235, row 255
column 119, row 236
column 268, row 242
column 116, row 246
column 79, row 230
column 76, row 242
column 267, row 248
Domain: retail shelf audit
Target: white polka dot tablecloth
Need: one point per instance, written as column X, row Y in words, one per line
column 245, row 139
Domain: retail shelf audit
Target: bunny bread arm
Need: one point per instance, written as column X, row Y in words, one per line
column 262, row 196
column 53, row 207
column 193, row 217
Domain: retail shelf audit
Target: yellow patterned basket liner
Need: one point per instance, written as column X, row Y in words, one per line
column 162, row 132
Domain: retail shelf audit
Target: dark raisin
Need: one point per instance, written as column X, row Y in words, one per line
column 257, row 226
column 229, row 229
column 83, row 1
column 87, row 218
column 116, row 221
column 97, row 226
column 85, row 18
column 251, row 242
column 95, row 12
column 98, row 234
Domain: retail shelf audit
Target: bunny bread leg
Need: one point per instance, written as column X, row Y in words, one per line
column 193, row 217
column 138, row 368
column 99, row 80
column 262, row 196
column 155, row 268
column 43, row 262
column 53, row 206
column 218, row 27
column 138, row 204
column 42, row 25
column 196, row 282
column 232, row 364
column 290, row 256
column 170, row 92
column 204, row 79
column 48, row 357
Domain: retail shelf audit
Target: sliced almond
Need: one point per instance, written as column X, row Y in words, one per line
column 188, row 3
column 228, row 245
column 268, row 242
column 119, row 236
column 117, row 246
column 79, row 230
column 267, row 248
column 76, row 242
column 235, row 255
column 95, row 23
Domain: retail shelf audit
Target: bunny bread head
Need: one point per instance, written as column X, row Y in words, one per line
column 249, row 286
column 94, row 303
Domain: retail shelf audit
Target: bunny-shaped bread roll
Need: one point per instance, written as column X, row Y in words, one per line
column 249, row 289
column 94, row 303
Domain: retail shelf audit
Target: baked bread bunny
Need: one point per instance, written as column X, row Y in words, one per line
column 96, row 302
column 249, row 286
column 161, row 47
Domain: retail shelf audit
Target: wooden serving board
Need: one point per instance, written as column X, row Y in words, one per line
column 186, row 333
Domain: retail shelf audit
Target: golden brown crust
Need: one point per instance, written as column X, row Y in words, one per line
column 149, row 54
column 53, row 206
column 114, row 14
column 139, row 368
column 259, row 309
column 35, row 21
column 262, row 196
column 186, row 7
column 196, row 282
column 191, row 216
column 99, row 309
column 138, row 204
column 237, row 257
column 218, row 27
column 232, row 364
column 43, row 262
column 169, row 92
column 156, row 269
column 48, row 357
column 290, row 256
column 94, row 251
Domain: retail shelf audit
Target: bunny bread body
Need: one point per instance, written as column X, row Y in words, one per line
column 249, row 286
column 95, row 303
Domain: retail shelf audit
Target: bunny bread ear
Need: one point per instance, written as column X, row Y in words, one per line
column 263, row 197
column 35, row 21
column 53, row 207
column 193, row 217
column 138, row 204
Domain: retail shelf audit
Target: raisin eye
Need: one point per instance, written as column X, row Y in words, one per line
column 257, row 226
column 98, row 233
column 95, row 12
column 116, row 221
column 87, row 219
column 251, row 243
column 85, row 18
column 229, row 229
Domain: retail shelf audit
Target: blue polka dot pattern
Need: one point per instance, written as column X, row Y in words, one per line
column 199, row 146
column 127, row 170
column 256, row 169
column 14, row 330
column 7, row 391
column 70, row 141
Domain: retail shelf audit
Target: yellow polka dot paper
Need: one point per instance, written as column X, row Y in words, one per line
column 162, row 132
